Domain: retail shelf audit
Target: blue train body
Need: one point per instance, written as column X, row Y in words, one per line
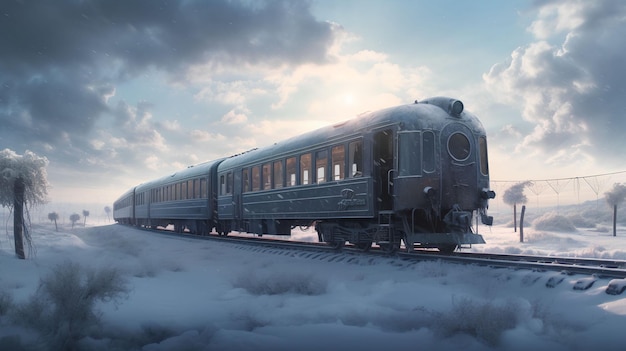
column 416, row 173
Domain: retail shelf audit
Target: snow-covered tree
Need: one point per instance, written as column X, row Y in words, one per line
column 107, row 210
column 32, row 169
column 514, row 196
column 23, row 181
column 614, row 198
column 85, row 215
column 53, row 216
column 74, row 217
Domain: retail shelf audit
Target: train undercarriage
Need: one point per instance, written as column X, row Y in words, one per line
column 416, row 229
column 390, row 230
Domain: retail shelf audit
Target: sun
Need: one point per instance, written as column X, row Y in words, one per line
column 348, row 99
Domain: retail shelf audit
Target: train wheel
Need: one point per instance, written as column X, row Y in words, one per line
column 179, row 227
column 337, row 244
column 364, row 246
column 390, row 247
column 447, row 249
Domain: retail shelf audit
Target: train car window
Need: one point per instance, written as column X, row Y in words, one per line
column 290, row 166
column 321, row 162
column 459, row 146
column 305, row 169
column 190, row 189
column 196, row 188
column 204, row 191
column 245, row 178
column 338, row 155
column 256, row 178
column 278, row 174
column 183, row 191
column 484, row 165
column 176, row 191
column 267, row 176
column 355, row 158
column 229, row 183
column 428, row 151
column 222, row 184
column 409, row 154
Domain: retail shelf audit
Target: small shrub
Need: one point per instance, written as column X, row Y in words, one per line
column 581, row 222
column 554, row 222
column 484, row 320
column 62, row 309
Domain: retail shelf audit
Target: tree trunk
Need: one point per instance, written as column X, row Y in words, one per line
column 515, row 217
column 18, row 217
column 55, row 225
column 521, row 224
column 614, row 220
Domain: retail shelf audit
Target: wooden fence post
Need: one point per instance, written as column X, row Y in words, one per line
column 521, row 224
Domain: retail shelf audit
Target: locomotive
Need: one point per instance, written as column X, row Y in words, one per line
column 415, row 173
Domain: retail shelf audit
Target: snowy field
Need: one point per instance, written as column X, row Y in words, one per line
column 184, row 294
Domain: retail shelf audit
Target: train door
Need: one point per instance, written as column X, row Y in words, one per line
column 237, row 183
column 383, row 169
column 458, row 168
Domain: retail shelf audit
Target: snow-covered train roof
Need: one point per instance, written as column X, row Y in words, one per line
column 429, row 114
column 193, row 171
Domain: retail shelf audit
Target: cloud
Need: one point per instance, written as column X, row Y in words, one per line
column 568, row 83
column 61, row 61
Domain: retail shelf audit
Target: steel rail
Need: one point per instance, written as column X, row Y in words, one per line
column 584, row 266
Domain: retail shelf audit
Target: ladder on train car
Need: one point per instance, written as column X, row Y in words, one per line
column 384, row 231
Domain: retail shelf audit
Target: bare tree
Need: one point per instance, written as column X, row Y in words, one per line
column 614, row 197
column 85, row 215
column 53, row 216
column 515, row 195
column 23, row 181
column 74, row 217
column 107, row 210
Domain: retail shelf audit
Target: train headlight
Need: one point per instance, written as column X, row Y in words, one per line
column 455, row 108
column 487, row 194
column 429, row 192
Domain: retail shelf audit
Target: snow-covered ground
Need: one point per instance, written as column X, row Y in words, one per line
column 202, row 295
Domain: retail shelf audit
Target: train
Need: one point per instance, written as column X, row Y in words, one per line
column 414, row 175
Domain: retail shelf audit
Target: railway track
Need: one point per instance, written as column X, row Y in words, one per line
column 590, row 269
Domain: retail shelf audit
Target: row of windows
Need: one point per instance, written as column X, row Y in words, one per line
column 189, row 189
column 308, row 168
column 123, row 203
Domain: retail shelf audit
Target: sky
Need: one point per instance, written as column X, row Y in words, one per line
column 115, row 94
